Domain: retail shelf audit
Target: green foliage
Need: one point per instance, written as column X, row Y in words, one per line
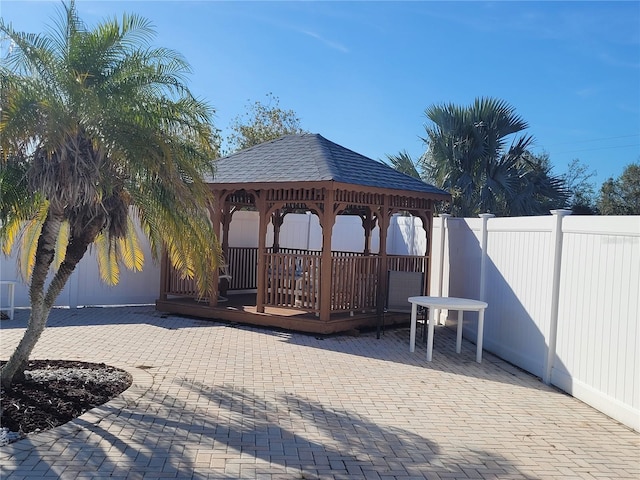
column 261, row 123
column 469, row 154
column 403, row 163
column 621, row 196
column 96, row 124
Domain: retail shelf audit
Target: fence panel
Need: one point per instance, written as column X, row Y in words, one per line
column 598, row 344
column 462, row 260
column 597, row 356
column 84, row 287
column 519, row 280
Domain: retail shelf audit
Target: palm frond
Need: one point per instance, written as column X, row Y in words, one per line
column 402, row 162
column 29, row 244
column 10, row 232
column 107, row 259
column 61, row 244
column 130, row 250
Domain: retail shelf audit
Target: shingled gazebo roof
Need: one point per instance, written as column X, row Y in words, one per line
column 312, row 158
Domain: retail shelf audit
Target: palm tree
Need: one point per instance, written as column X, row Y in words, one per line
column 469, row 155
column 402, row 162
column 98, row 129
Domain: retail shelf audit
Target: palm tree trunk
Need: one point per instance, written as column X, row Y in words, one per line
column 14, row 368
column 42, row 303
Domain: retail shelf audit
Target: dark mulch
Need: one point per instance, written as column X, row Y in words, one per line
column 59, row 391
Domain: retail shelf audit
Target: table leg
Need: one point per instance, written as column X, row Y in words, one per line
column 480, row 335
column 430, row 335
column 412, row 333
column 459, row 331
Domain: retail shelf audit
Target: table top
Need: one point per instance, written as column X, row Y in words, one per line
column 452, row 303
column 7, row 282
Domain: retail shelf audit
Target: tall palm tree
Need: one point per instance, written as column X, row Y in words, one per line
column 402, row 162
column 97, row 128
column 469, row 155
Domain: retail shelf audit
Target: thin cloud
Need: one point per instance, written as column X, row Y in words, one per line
column 328, row 43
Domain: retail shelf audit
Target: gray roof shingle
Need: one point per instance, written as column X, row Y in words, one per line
column 312, row 158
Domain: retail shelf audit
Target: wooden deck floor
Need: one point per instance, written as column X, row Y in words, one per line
column 241, row 308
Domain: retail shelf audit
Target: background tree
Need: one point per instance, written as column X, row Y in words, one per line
column 468, row 154
column 582, row 191
column 621, row 196
column 402, row 162
column 261, row 123
column 97, row 129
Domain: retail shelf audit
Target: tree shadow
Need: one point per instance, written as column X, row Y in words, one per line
column 116, row 315
column 391, row 347
column 229, row 432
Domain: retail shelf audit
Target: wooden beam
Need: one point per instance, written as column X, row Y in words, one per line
column 383, row 222
column 277, row 218
column 327, row 220
column 164, row 274
column 368, row 224
column 261, row 205
column 216, row 218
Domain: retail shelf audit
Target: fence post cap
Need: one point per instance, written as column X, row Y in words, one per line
column 561, row 212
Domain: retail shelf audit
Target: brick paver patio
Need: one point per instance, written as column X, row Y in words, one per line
column 213, row 400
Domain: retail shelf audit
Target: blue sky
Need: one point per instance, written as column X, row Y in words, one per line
column 362, row 73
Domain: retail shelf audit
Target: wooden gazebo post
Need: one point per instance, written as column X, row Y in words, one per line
column 226, row 222
column 368, row 224
column 327, row 220
column 261, row 206
column 216, row 217
column 277, row 219
column 383, row 222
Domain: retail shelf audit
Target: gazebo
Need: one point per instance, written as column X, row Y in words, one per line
column 323, row 291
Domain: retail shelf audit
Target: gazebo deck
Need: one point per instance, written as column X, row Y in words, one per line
column 241, row 308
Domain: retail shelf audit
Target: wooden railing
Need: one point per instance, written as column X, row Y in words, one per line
column 292, row 281
column 178, row 286
column 355, row 282
column 295, row 251
column 242, row 265
column 293, row 277
column 407, row 263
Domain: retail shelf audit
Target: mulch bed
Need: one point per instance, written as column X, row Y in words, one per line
column 57, row 391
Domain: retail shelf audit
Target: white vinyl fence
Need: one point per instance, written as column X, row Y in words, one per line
column 84, row 288
column 563, row 299
column 562, row 290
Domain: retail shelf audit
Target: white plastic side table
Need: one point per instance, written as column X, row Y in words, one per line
column 447, row 303
column 11, row 290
